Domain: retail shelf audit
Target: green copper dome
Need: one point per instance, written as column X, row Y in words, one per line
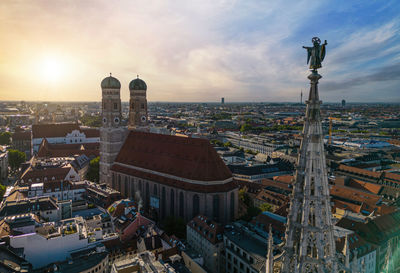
column 137, row 84
column 110, row 83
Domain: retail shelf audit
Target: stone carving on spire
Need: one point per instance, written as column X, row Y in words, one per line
column 309, row 240
column 269, row 264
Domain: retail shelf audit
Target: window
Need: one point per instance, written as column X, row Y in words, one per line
column 216, row 207
column 163, row 202
column 155, row 189
column 196, row 205
column 181, row 205
column 115, row 106
column 142, row 106
column 147, row 194
column 232, row 206
column 172, row 203
column 126, row 187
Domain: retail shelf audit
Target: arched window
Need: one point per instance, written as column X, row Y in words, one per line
column 126, row 186
column 196, row 205
column 119, row 183
column 132, row 106
column 232, row 206
column 140, row 186
column 216, row 207
column 147, row 194
column 181, row 205
column 155, row 190
column 163, row 203
column 133, row 187
column 113, row 181
column 172, row 203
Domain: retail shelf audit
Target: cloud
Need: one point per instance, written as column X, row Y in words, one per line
column 387, row 73
column 186, row 50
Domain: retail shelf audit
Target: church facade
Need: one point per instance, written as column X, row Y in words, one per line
column 168, row 175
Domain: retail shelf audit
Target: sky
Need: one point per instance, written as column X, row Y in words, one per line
column 199, row 51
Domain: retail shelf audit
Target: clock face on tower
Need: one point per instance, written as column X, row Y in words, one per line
column 143, row 118
column 116, row 120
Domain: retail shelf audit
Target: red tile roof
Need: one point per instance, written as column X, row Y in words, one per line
column 362, row 185
column 208, row 229
column 288, row 179
column 392, row 177
column 65, row 150
column 53, row 130
column 190, row 158
column 265, row 221
column 33, row 174
column 356, row 242
column 276, row 184
column 90, row 132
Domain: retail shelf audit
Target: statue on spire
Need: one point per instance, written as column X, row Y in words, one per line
column 316, row 53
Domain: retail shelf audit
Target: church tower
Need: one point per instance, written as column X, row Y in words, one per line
column 138, row 119
column 112, row 134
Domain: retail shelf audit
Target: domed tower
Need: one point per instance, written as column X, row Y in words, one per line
column 111, row 132
column 137, row 104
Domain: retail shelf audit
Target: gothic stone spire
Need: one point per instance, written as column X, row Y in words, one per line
column 309, row 241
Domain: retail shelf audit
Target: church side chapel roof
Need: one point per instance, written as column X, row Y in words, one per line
column 47, row 149
column 189, row 158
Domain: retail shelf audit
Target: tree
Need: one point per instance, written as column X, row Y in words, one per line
column 228, row 144
column 15, row 159
column 94, row 169
column 5, row 138
column 266, row 207
column 251, row 212
column 244, row 197
column 2, row 190
column 246, row 127
column 91, row 121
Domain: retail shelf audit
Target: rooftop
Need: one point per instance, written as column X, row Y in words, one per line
column 188, row 158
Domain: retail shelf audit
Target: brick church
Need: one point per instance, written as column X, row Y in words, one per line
column 172, row 175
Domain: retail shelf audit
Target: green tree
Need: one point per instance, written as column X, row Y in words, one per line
column 246, row 127
column 228, row 144
column 251, row 212
column 5, row 138
column 94, row 169
column 244, row 197
column 2, row 190
column 91, row 121
column 176, row 226
column 15, row 159
column 265, row 207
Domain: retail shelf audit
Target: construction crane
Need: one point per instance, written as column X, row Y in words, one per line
column 330, row 129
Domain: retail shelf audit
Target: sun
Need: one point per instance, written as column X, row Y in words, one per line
column 51, row 68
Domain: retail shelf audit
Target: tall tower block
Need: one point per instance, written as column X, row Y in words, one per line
column 138, row 119
column 111, row 133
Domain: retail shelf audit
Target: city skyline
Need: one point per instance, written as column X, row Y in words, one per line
column 198, row 52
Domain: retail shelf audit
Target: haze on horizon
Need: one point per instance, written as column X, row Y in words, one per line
column 198, row 50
